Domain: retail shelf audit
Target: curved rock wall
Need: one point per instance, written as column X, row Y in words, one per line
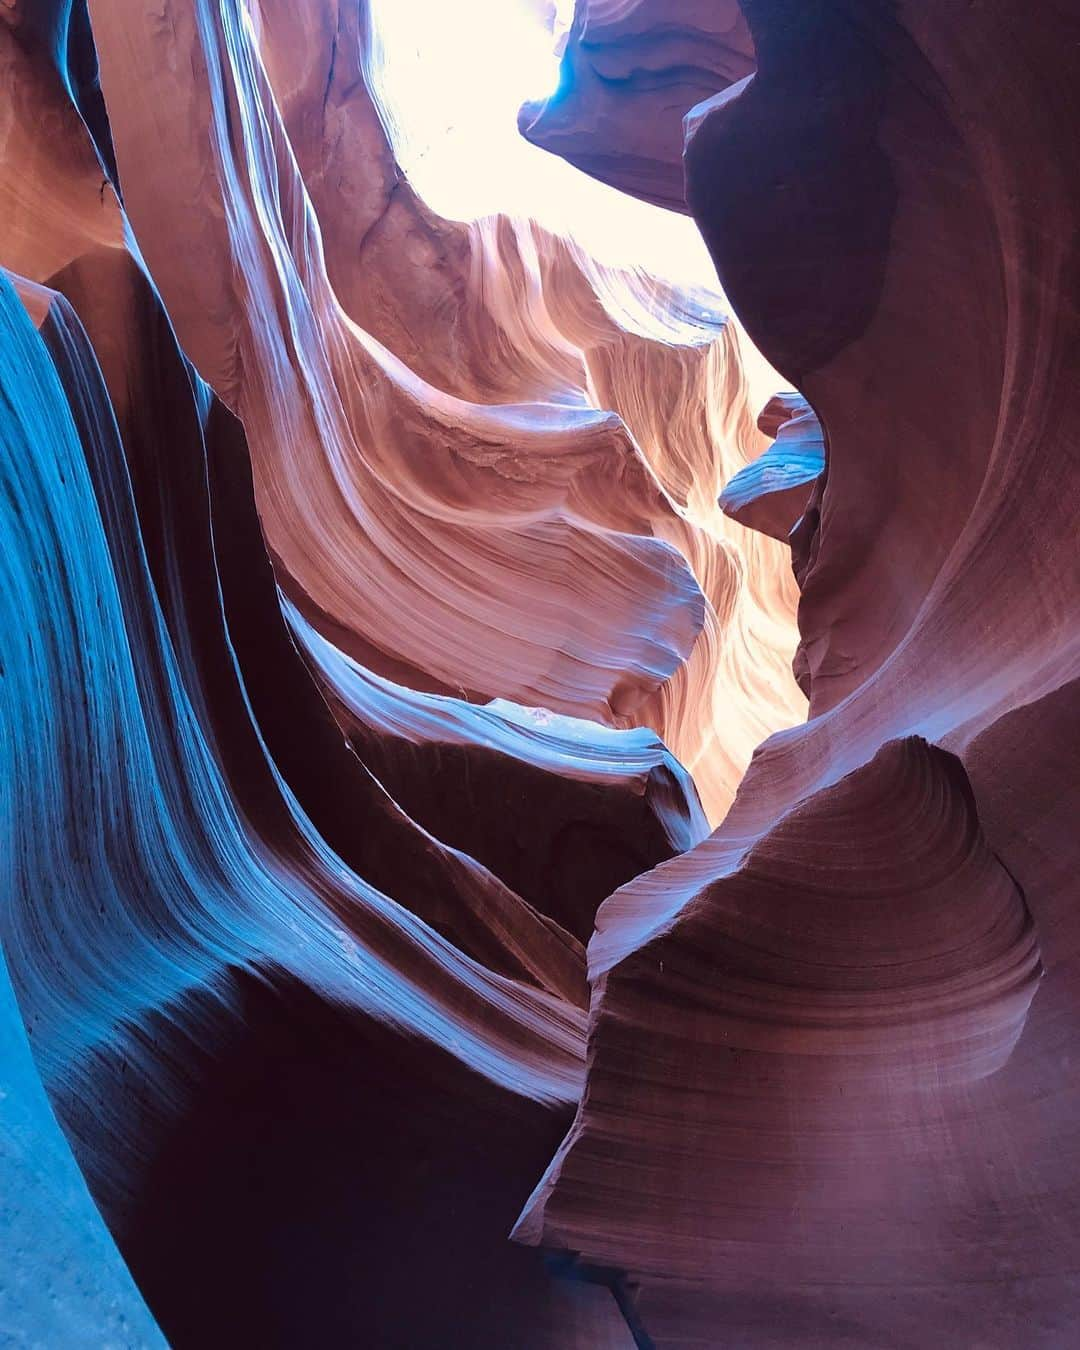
column 891, row 218
column 265, row 970
column 388, row 603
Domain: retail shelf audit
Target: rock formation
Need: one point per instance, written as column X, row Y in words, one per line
column 772, row 494
column 502, row 311
column 788, row 1172
column 639, row 64
column 389, row 606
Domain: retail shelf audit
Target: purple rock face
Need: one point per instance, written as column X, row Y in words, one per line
column 631, row 70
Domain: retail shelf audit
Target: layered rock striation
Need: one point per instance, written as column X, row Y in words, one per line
column 785, row 1136
column 389, row 604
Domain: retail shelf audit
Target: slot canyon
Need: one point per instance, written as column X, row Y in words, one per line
column 539, row 674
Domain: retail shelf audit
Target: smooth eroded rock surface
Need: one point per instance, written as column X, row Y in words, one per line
column 391, row 605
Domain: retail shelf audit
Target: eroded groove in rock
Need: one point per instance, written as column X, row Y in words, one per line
column 583, row 809
column 353, row 813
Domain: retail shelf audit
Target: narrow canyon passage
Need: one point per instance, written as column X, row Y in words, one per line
column 539, row 655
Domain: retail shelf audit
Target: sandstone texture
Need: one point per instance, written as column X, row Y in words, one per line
column 506, row 840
